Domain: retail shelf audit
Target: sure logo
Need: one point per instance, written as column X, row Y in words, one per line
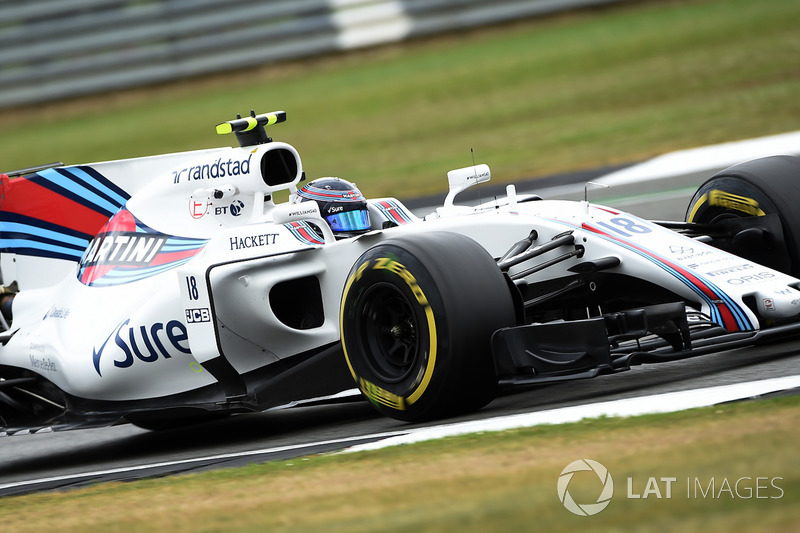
column 144, row 343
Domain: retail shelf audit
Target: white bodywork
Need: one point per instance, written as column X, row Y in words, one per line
column 128, row 338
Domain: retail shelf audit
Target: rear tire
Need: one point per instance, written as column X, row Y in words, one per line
column 417, row 317
column 767, row 186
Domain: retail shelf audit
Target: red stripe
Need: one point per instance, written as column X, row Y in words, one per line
column 170, row 257
column 729, row 321
column 303, row 231
column 392, row 212
column 90, row 274
column 25, row 197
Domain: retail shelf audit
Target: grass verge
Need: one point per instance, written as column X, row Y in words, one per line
column 577, row 90
column 734, row 468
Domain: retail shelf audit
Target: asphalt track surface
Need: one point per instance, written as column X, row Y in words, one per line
column 63, row 460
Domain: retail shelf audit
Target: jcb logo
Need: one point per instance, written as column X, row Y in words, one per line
column 201, row 314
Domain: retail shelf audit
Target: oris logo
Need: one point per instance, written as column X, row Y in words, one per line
column 751, row 278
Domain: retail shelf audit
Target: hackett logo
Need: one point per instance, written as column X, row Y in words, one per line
column 253, row 241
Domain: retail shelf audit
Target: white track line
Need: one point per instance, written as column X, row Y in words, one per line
column 705, row 159
column 121, row 470
column 659, row 403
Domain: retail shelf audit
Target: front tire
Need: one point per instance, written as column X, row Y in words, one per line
column 417, row 317
column 757, row 188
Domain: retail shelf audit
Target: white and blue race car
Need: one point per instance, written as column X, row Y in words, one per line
column 173, row 288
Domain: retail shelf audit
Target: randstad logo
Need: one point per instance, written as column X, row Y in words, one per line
column 585, row 465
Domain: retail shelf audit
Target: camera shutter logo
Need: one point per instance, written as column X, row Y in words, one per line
column 585, row 509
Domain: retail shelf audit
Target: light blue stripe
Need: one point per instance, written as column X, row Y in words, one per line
column 39, row 232
column 171, row 246
column 741, row 319
column 75, row 187
column 97, row 184
column 119, row 277
column 387, row 211
column 145, row 272
column 13, row 244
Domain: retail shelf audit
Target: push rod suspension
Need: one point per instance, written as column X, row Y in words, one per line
column 559, row 240
column 551, row 262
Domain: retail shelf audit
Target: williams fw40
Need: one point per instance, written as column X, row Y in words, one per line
column 171, row 289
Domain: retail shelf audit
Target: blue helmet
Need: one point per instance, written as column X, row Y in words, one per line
column 341, row 205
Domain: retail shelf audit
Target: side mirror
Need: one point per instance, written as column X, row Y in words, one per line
column 463, row 178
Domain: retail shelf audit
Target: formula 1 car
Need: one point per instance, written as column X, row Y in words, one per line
column 170, row 289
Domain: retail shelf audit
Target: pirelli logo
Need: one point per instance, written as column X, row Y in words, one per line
column 735, row 202
column 378, row 395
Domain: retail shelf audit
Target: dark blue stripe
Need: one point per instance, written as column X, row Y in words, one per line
column 90, row 187
column 110, row 185
column 5, row 238
column 44, row 181
column 6, row 216
column 738, row 315
column 35, row 252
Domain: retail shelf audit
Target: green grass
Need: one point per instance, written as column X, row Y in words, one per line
column 533, row 97
column 577, row 90
column 483, row 482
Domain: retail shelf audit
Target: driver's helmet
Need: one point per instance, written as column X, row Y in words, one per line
column 341, row 205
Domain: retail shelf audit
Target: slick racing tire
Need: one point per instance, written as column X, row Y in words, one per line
column 418, row 313
column 756, row 188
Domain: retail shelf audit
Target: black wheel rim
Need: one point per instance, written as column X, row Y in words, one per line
column 388, row 330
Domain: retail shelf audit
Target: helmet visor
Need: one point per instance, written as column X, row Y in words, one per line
column 356, row 220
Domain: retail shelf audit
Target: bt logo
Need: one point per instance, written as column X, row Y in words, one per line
column 234, row 209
